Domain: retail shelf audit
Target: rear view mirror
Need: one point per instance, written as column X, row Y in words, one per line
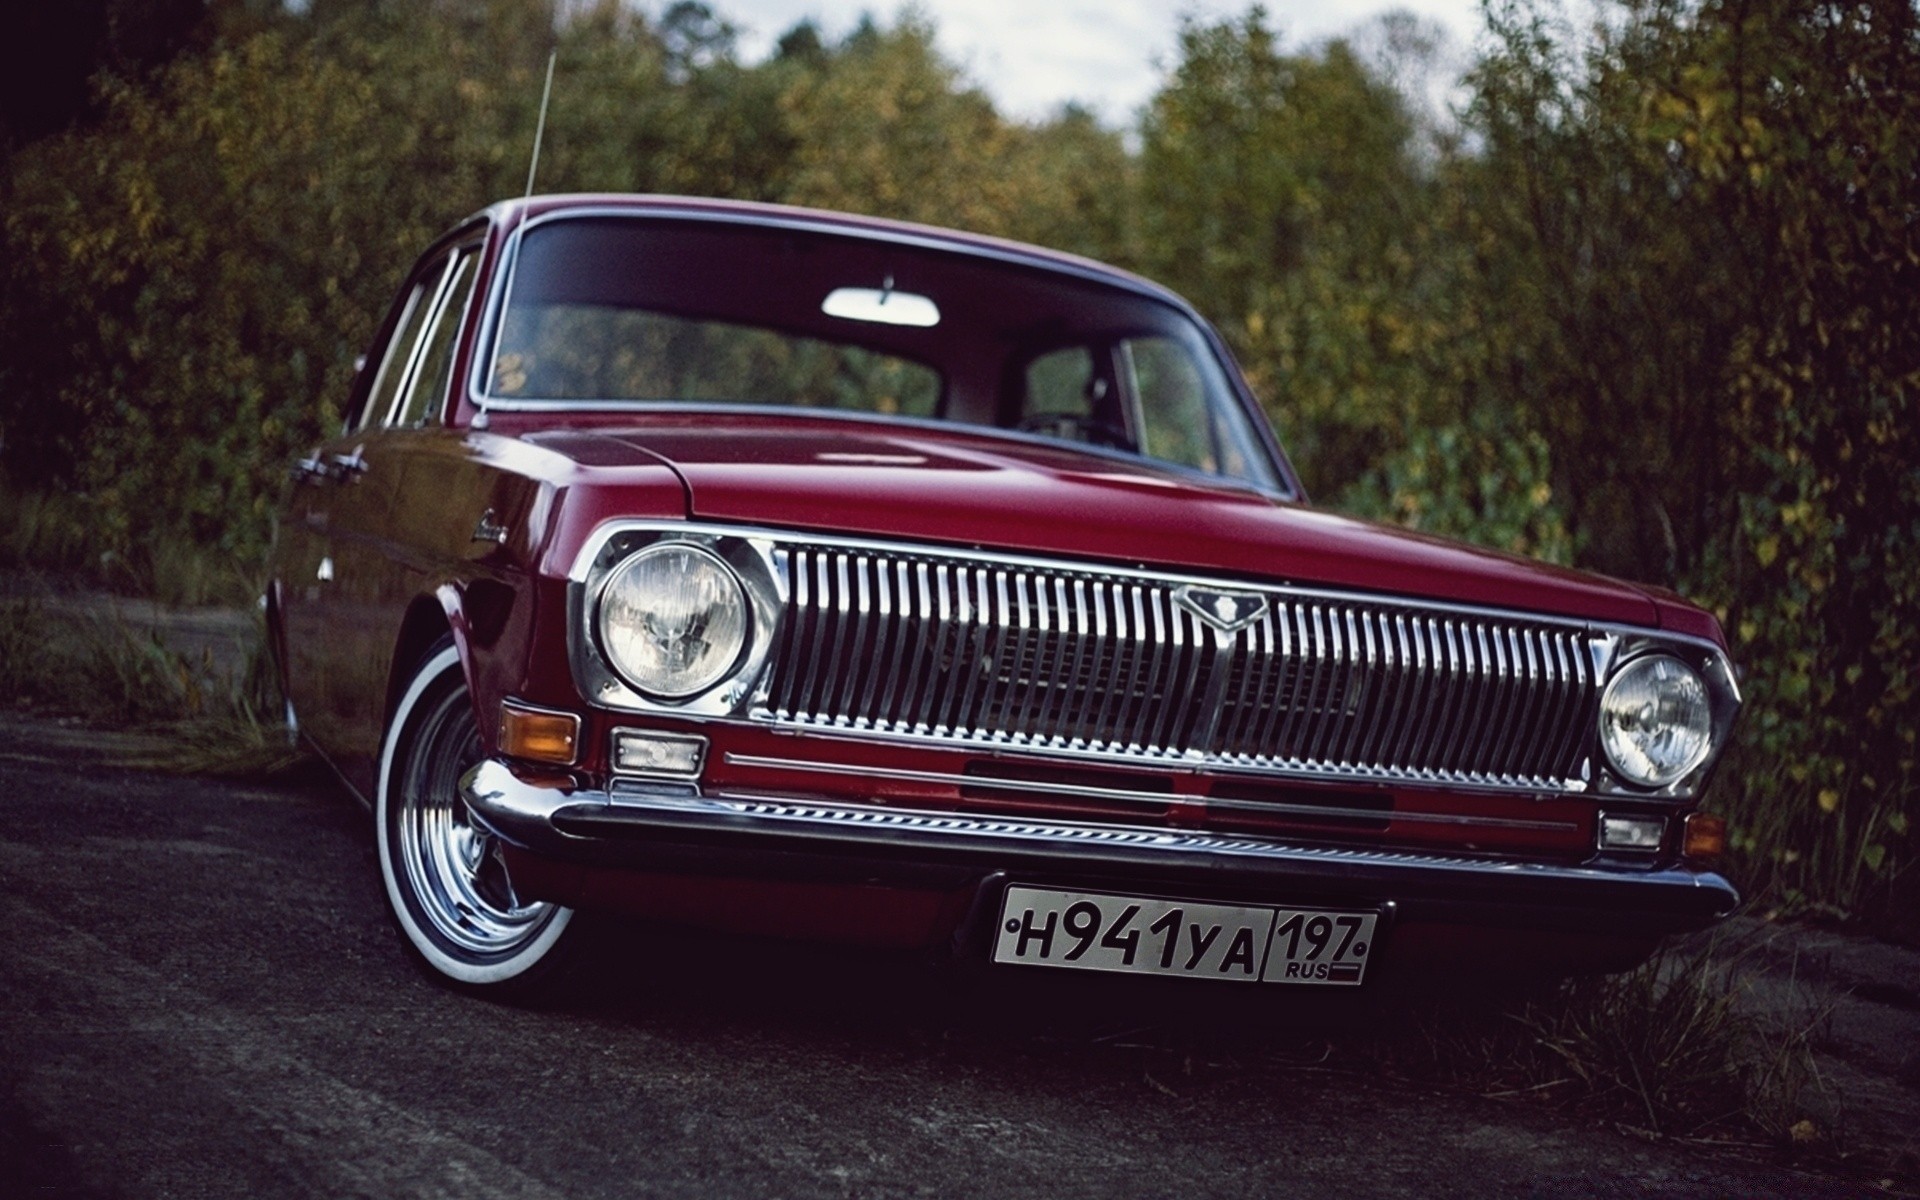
column 882, row 307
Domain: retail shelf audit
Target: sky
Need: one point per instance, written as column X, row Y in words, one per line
column 1032, row 56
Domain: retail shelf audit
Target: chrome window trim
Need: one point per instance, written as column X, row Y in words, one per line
column 457, row 259
column 425, row 289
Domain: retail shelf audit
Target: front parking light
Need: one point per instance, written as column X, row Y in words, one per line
column 1705, row 839
column 669, row 755
column 539, row 736
column 1631, row 833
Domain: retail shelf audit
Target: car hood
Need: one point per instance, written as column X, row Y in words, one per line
column 983, row 489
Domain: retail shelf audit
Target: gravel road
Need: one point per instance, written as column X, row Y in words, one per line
column 200, row 996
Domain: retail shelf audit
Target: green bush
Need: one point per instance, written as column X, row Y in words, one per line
column 1647, row 309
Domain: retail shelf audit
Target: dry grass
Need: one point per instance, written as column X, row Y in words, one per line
column 62, row 534
column 197, row 715
column 1677, row 1048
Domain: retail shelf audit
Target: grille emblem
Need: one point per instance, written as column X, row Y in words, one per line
column 1229, row 612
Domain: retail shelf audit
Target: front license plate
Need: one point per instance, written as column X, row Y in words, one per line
column 1093, row 932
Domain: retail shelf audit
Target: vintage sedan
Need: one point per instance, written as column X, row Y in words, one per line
column 773, row 570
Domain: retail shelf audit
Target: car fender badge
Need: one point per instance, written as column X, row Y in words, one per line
column 487, row 530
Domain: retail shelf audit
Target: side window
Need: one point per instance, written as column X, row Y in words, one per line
column 1173, row 405
column 1184, row 421
column 406, row 337
column 428, row 386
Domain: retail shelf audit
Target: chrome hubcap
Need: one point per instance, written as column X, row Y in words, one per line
column 453, row 865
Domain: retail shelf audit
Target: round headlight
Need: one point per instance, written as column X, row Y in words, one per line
column 673, row 620
column 1655, row 723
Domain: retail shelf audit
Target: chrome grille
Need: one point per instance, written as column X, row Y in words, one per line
column 1055, row 657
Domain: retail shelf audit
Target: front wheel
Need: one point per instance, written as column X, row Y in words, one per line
column 446, row 880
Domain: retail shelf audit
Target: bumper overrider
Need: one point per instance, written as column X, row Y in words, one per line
column 767, row 836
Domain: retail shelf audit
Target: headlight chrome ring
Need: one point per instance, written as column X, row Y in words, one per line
column 1656, row 721
column 673, row 620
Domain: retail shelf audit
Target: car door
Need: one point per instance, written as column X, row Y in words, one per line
column 343, row 574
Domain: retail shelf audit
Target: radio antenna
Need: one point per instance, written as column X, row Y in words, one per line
column 540, row 129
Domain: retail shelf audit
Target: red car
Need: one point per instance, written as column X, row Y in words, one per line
column 785, row 571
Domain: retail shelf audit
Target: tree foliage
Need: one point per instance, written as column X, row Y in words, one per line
column 188, row 281
column 1647, row 305
column 1708, row 259
column 1294, row 197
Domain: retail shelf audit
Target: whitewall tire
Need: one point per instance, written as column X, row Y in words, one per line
column 447, row 885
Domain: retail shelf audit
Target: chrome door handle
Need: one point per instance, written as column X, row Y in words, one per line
column 346, row 466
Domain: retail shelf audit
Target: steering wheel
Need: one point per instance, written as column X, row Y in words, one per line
column 1077, row 427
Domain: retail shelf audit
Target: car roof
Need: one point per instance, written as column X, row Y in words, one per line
column 508, row 214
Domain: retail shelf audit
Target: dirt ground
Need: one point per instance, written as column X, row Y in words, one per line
column 1860, row 998
column 120, row 1041
column 200, row 996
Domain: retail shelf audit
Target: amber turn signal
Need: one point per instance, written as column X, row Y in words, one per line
column 1706, row 837
column 538, row 735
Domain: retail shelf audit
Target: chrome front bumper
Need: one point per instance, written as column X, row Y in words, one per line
column 757, row 836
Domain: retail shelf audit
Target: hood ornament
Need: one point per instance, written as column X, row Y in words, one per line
column 1229, row 612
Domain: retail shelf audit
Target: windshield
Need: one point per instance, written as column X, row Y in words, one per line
column 613, row 310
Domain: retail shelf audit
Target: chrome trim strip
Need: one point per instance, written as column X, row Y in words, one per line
column 564, row 822
column 1156, row 799
column 781, row 808
column 1238, row 766
column 800, row 814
